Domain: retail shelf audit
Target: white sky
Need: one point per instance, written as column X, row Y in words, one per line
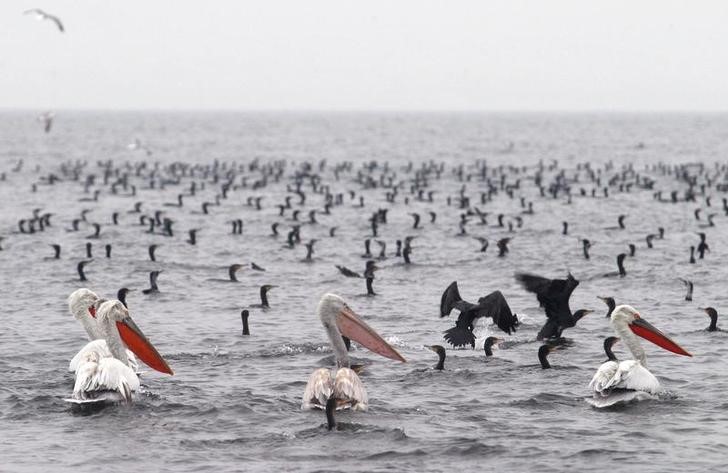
column 366, row 55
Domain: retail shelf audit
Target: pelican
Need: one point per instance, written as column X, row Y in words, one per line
column 342, row 388
column 83, row 304
column 109, row 379
column 628, row 380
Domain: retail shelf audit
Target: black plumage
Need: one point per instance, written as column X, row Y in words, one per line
column 493, row 305
column 553, row 295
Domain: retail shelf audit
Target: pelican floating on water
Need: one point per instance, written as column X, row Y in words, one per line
column 341, row 388
column 628, row 380
column 83, row 304
column 109, row 379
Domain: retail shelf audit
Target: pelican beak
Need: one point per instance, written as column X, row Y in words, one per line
column 649, row 332
column 134, row 338
column 352, row 327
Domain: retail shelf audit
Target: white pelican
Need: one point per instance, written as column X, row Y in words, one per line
column 343, row 388
column 82, row 303
column 100, row 379
column 628, row 380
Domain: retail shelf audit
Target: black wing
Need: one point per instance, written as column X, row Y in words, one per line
column 450, row 298
column 495, row 306
column 347, row 272
column 552, row 294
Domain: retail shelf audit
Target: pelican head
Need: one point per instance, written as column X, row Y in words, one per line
column 337, row 316
column 627, row 316
column 82, row 302
column 114, row 313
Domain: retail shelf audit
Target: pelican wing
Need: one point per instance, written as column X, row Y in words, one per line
column 95, row 376
column 100, row 348
column 349, row 390
column 318, row 390
column 631, row 375
column 603, row 376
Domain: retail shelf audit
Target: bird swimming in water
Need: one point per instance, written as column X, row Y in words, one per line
column 121, row 295
column 489, row 343
column 441, row 356
column 152, row 249
column 618, row 382
column 689, row 286
column 57, row 251
column 503, row 246
column 543, row 353
column 713, row 314
column 232, row 270
column 610, row 304
column 494, row 305
column 244, row 316
column 553, row 295
column 369, row 276
column 80, row 268
column 153, row 289
column 341, row 387
column 348, row 272
column 264, row 296
column 608, row 345
column 702, row 246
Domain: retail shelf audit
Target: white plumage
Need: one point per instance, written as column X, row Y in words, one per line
column 346, row 387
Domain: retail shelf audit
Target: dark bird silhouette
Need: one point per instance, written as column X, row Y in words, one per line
column 107, row 248
column 152, row 249
column 309, row 249
column 232, row 270
column 483, row 243
column 193, row 236
column 503, row 246
column 702, row 246
column 264, row 295
column 244, row 316
column 57, row 251
column 692, row 255
column 608, row 344
column 121, row 295
column 416, row 218
column 543, row 353
column 586, row 246
column 610, row 304
column 553, row 295
column 489, row 343
column 441, row 356
column 620, row 221
column 153, row 276
column 369, row 276
column 494, row 305
column 620, row 264
column 348, row 272
column 80, row 267
column 689, row 287
column 713, row 314
column 256, row 267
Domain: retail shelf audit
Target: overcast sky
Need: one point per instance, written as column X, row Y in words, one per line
column 390, row 54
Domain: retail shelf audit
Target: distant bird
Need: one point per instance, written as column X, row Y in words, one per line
column 713, row 314
column 543, row 353
column 608, row 344
column 483, row 243
column 441, row 355
column 689, row 287
column 490, row 342
column 692, row 255
column 41, row 15
column 586, row 245
column 47, row 120
column 244, row 316
column 416, row 218
column 702, row 246
column 620, row 221
column 503, row 246
column 348, row 272
column 553, row 295
column 121, row 295
column 620, row 264
column 80, row 268
column 193, row 236
column 57, row 251
column 153, row 276
column 264, row 296
column 309, row 249
column 493, row 305
column 232, row 270
column 256, row 267
column 152, row 249
column 369, row 276
column 611, row 304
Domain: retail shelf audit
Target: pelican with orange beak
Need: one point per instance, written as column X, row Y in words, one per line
column 82, row 303
column 341, row 388
column 630, row 379
column 109, row 379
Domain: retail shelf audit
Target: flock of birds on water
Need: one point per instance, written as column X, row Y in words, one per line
column 313, row 193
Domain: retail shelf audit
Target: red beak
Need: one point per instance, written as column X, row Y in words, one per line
column 133, row 337
column 649, row 332
column 351, row 326
column 92, row 311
